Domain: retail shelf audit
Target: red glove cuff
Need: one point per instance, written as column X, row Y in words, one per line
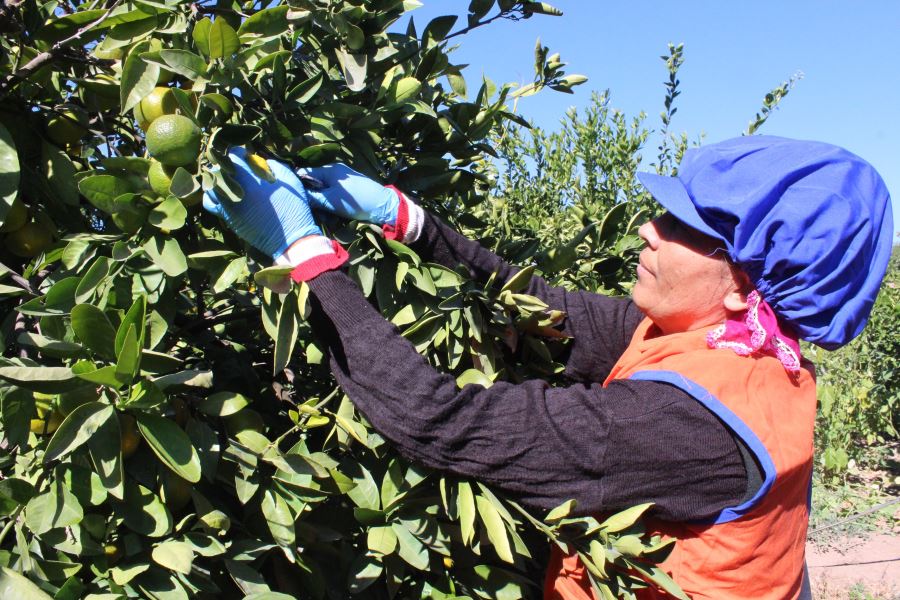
column 316, row 265
column 398, row 230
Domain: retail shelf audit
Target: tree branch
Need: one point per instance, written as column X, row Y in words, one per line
column 45, row 57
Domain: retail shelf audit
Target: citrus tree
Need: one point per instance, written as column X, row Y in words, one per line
column 168, row 427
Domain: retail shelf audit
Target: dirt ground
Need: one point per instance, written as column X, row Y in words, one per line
column 865, row 568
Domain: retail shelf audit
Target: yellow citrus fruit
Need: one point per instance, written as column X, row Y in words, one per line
column 260, row 166
column 15, row 216
column 131, row 438
column 112, row 552
column 161, row 101
column 29, row 240
column 67, row 126
column 243, row 420
column 174, row 140
column 47, row 422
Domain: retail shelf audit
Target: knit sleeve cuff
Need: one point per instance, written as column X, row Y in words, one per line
column 410, row 218
column 311, row 256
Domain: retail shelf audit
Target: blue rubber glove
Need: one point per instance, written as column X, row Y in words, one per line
column 271, row 216
column 352, row 195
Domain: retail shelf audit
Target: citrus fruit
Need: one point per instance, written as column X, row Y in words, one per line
column 47, row 422
column 100, row 93
column 260, row 166
column 173, row 140
column 131, row 439
column 161, row 101
column 160, row 177
column 67, row 126
column 29, row 240
column 15, row 216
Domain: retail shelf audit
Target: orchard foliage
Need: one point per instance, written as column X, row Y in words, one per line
column 167, row 425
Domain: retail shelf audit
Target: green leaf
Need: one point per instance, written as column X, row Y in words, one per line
column 88, row 371
column 133, row 318
column 50, row 380
column 105, row 448
column 184, row 63
column 60, row 172
column 92, row 327
column 138, row 78
column 60, row 28
column 84, row 483
column 410, row 548
column 278, row 517
column 174, row 555
column 223, row 40
column 92, row 279
column 15, row 585
column 560, row 512
column 365, row 493
column 267, row 23
column 439, row 27
column 201, row 35
column 218, row 103
column 465, row 507
column 473, row 376
column 519, row 281
column 167, row 254
column 76, row 429
column 183, row 183
column 49, row 346
column 14, row 492
column 143, row 511
column 222, row 404
column 277, row 278
column 128, row 361
column 57, row 507
column 287, row 333
column 495, row 527
column 171, row 444
column 381, row 539
column 364, row 571
column 102, row 191
column 169, row 214
column 9, row 172
column 624, row 519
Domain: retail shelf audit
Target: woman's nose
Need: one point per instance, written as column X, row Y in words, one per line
column 649, row 234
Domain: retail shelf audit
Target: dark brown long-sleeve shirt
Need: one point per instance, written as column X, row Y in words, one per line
column 606, row 447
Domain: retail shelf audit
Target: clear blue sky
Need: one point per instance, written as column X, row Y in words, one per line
column 735, row 52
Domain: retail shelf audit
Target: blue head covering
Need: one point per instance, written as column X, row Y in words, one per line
column 810, row 224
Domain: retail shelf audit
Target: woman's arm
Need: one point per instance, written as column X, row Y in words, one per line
column 601, row 327
column 607, row 448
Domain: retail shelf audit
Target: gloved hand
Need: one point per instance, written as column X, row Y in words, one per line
column 271, row 216
column 352, row 195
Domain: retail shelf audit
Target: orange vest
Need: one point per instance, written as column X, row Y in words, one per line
column 755, row 550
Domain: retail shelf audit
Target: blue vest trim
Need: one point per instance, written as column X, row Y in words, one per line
column 740, row 428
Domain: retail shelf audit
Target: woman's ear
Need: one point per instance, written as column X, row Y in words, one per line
column 736, row 299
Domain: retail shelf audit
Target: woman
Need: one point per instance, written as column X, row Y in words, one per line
column 691, row 395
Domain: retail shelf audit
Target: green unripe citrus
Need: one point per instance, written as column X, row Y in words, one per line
column 67, row 127
column 161, row 101
column 174, row 140
column 29, row 240
column 160, row 177
column 15, row 216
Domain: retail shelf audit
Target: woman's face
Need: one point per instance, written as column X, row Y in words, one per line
column 683, row 283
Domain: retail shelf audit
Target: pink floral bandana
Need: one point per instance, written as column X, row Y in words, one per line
column 757, row 332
